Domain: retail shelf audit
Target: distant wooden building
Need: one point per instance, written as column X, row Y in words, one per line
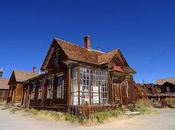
column 3, row 89
column 163, row 88
column 74, row 76
column 15, row 83
column 167, row 85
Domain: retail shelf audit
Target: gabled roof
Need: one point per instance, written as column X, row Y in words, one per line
column 168, row 80
column 107, row 57
column 21, row 76
column 4, row 83
column 75, row 52
column 81, row 54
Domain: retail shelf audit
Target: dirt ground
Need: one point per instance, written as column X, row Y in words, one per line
column 163, row 120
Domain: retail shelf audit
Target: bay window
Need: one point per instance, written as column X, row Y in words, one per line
column 93, row 86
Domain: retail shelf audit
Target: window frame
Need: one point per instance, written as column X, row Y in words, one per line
column 60, row 87
column 50, row 88
column 92, row 84
column 33, row 92
column 57, row 56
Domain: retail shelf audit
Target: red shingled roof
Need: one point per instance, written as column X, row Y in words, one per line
column 21, row 76
column 81, row 54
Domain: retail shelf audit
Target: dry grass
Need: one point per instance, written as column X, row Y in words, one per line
column 101, row 117
column 143, row 106
column 95, row 118
column 171, row 102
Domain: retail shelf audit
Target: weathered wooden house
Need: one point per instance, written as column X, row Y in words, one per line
column 75, row 76
column 162, row 89
column 15, row 83
column 167, row 85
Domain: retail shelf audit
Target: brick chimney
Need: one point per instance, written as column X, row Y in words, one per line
column 34, row 69
column 87, row 42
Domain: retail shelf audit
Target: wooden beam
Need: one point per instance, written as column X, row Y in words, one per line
column 43, row 91
column 90, row 87
column 69, row 86
column 78, row 81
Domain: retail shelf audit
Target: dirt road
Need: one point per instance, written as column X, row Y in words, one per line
column 165, row 120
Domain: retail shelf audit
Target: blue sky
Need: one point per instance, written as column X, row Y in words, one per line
column 144, row 30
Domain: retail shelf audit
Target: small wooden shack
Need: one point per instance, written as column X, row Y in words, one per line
column 74, row 77
column 15, row 83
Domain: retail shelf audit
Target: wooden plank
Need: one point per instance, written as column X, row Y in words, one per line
column 69, row 86
column 78, row 81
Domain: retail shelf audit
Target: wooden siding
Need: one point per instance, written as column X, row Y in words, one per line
column 54, row 103
column 117, row 95
column 3, row 94
column 18, row 92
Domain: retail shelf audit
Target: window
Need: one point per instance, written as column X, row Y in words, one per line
column 167, row 89
column 74, row 87
column 60, row 87
column 50, row 89
column 84, row 85
column 93, row 85
column 33, row 93
column 57, row 56
column 40, row 89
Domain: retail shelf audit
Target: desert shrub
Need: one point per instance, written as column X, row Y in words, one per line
column 101, row 117
column 71, row 118
column 95, row 118
column 171, row 102
column 32, row 111
column 44, row 114
column 143, row 106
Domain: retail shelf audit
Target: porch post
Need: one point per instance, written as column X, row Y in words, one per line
column 28, row 97
column 43, row 92
column 69, row 86
column 112, row 91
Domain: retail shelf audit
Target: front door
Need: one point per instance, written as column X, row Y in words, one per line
column 117, row 95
